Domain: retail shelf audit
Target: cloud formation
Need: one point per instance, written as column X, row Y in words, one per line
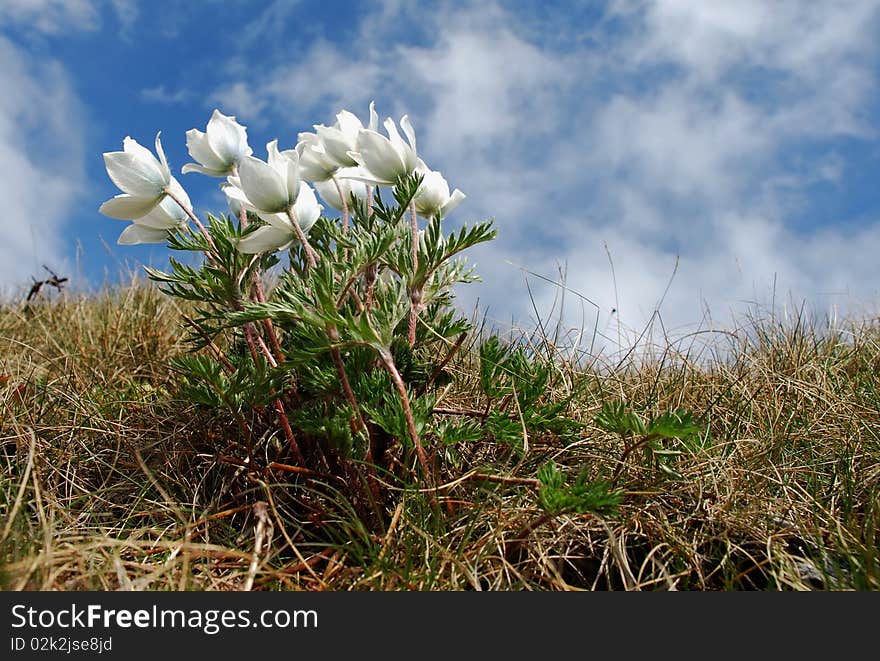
column 44, row 163
column 666, row 137
column 620, row 142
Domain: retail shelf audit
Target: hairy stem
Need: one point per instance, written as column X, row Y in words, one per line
column 371, row 273
column 333, row 334
column 311, row 255
column 260, row 297
column 252, row 338
column 388, row 360
column 415, row 293
column 194, row 218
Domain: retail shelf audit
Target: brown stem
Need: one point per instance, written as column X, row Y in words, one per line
column 370, row 274
column 217, row 352
column 407, row 411
column 469, row 412
column 333, row 334
column 194, row 218
column 411, row 334
column 642, row 442
column 444, row 362
column 519, row 539
column 311, row 256
column 279, row 407
column 260, row 297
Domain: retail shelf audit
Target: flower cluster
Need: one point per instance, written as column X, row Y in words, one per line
column 341, row 162
column 358, row 297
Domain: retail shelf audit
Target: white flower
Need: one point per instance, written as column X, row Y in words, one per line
column 279, row 233
column 314, row 163
column 433, row 198
column 322, row 153
column 383, row 161
column 220, row 149
column 330, row 194
column 141, row 177
column 154, row 227
column 341, row 138
column 269, row 187
column 233, row 198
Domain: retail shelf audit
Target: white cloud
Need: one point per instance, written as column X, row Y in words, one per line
column 670, row 132
column 165, row 97
column 44, row 163
column 50, row 16
column 324, row 77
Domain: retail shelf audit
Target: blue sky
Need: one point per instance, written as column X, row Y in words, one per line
column 730, row 146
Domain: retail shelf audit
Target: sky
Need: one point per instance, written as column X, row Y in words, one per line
column 679, row 160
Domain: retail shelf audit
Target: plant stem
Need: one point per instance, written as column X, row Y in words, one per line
column 388, row 360
column 249, row 333
column 642, row 442
column 311, row 256
column 370, row 274
column 260, row 297
column 439, row 369
column 415, row 293
column 217, row 351
column 333, row 334
column 195, row 219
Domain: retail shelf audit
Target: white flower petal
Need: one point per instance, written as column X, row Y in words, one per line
column 228, row 138
column 278, row 220
column 314, row 164
column 292, row 174
column 165, row 216
column 306, row 209
column 177, row 190
column 329, row 193
column 128, row 207
column 193, row 167
column 134, row 175
column 199, row 147
column 409, row 132
column 134, row 234
column 265, row 239
column 379, row 158
column 455, row 199
column 374, row 117
column 348, row 123
column 166, row 171
column 337, row 144
column 263, row 185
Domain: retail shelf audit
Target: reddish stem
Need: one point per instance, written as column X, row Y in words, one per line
column 261, row 298
column 250, row 334
column 194, row 218
column 311, row 256
column 407, row 411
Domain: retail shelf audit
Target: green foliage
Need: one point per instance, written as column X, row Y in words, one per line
column 662, row 438
column 389, row 414
column 583, row 495
column 618, row 418
column 206, row 381
column 357, row 336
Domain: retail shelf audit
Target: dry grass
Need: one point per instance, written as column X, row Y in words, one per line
column 110, row 483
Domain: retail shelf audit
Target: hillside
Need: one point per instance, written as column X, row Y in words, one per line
column 771, row 480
